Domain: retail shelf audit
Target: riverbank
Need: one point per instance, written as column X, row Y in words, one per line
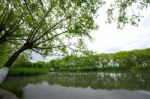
column 13, row 88
column 32, row 71
column 4, row 94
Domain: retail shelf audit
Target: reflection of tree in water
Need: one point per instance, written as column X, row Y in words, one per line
column 100, row 80
column 103, row 80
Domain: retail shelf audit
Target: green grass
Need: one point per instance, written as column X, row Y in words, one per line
column 27, row 71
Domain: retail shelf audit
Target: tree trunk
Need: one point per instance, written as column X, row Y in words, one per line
column 9, row 62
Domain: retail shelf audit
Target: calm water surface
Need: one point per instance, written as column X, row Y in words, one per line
column 86, row 86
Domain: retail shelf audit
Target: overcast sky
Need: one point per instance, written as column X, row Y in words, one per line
column 109, row 39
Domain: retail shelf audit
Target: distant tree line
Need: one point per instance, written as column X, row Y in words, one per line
column 120, row 60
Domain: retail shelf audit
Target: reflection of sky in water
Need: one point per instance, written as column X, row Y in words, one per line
column 46, row 91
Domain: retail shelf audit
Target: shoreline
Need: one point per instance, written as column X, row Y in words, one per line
column 4, row 94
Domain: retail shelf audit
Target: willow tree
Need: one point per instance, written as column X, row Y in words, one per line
column 11, row 19
column 52, row 27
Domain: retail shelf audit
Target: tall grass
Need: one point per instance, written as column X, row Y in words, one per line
column 27, row 71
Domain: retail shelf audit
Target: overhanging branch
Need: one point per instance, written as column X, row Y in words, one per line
column 51, row 37
column 49, row 29
column 35, row 28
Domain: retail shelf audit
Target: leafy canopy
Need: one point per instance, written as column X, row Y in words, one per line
column 50, row 26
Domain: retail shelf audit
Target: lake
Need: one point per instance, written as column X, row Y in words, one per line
column 93, row 85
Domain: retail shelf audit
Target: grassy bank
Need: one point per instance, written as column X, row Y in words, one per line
column 27, row 71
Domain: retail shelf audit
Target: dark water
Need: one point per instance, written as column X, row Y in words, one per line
column 86, row 86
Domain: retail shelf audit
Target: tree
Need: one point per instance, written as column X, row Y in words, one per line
column 11, row 19
column 52, row 27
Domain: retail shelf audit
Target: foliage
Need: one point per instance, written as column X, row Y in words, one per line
column 23, row 67
column 22, row 62
column 124, row 60
column 47, row 27
column 40, row 64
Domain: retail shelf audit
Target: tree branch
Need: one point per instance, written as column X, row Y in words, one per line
column 51, row 37
column 8, row 17
column 47, row 47
column 16, row 39
column 42, row 53
column 36, row 51
column 35, row 29
column 41, row 3
column 26, row 4
column 49, row 29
